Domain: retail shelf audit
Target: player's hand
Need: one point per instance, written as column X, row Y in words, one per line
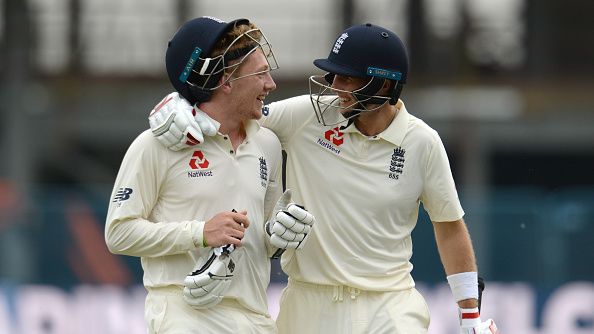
column 206, row 286
column 178, row 125
column 289, row 224
column 470, row 323
column 225, row 228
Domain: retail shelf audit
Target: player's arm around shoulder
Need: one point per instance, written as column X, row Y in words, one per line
column 287, row 117
column 270, row 145
column 178, row 125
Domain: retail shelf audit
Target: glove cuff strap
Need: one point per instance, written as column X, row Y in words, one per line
column 469, row 317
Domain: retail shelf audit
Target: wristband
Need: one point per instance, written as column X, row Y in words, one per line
column 464, row 285
column 197, row 231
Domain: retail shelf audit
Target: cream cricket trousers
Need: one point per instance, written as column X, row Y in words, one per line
column 166, row 312
column 311, row 308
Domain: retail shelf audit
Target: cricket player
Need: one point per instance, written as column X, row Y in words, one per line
column 362, row 164
column 196, row 217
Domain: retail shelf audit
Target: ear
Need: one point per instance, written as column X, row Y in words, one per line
column 224, row 80
column 225, row 83
column 386, row 87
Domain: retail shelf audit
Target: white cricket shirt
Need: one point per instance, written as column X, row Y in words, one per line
column 364, row 192
column 162, row 198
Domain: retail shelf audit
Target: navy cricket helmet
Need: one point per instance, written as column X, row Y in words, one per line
column 367, row 50
column 362, row 51
column 190, row 68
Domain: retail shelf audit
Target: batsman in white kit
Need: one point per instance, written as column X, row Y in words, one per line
column 362, row 164
column 205, row 220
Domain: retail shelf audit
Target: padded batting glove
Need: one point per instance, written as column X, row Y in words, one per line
column 289, row 225
column 470, row 323
column 206, row 285
column 178, row 125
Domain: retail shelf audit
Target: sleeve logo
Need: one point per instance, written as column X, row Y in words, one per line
column 263, row 172
column 122, row 194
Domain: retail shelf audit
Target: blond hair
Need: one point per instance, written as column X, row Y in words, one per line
column 243, row 42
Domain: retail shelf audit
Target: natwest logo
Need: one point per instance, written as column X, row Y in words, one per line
column 335, row 136
column 198, row 161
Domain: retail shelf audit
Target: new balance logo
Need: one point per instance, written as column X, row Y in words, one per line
column 122, row 194
column 198, row 161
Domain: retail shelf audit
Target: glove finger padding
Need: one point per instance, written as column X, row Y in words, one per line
column 207, row 296
column 171, row 137
column 206, row 286
column 282, row 243
column 205, row 123
column 201, row 290
column 197, row 281
column 160, row 122
column 287, row 234
column 289, row 222
column 165, row 120
column 161, row 117
column 189, row 130
column 299, row 213
column 179, row 125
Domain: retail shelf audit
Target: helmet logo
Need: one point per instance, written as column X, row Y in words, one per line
column 190, row 65
column 339, row 42
column 214, row 19
column 380, row 72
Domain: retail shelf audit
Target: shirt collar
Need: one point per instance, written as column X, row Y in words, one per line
column 251, row 126
column 396, row 131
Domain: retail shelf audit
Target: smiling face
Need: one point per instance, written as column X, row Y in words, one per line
column 252, row 85
column 343, row 86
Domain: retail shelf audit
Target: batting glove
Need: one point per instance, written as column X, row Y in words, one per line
column 289, row 224
column 178, row 125
column 205, row 286
column 470, row 323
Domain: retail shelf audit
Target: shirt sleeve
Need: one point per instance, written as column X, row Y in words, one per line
column 439, row 196
column 287, row 117
column 128, row 230
column 274, row 188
